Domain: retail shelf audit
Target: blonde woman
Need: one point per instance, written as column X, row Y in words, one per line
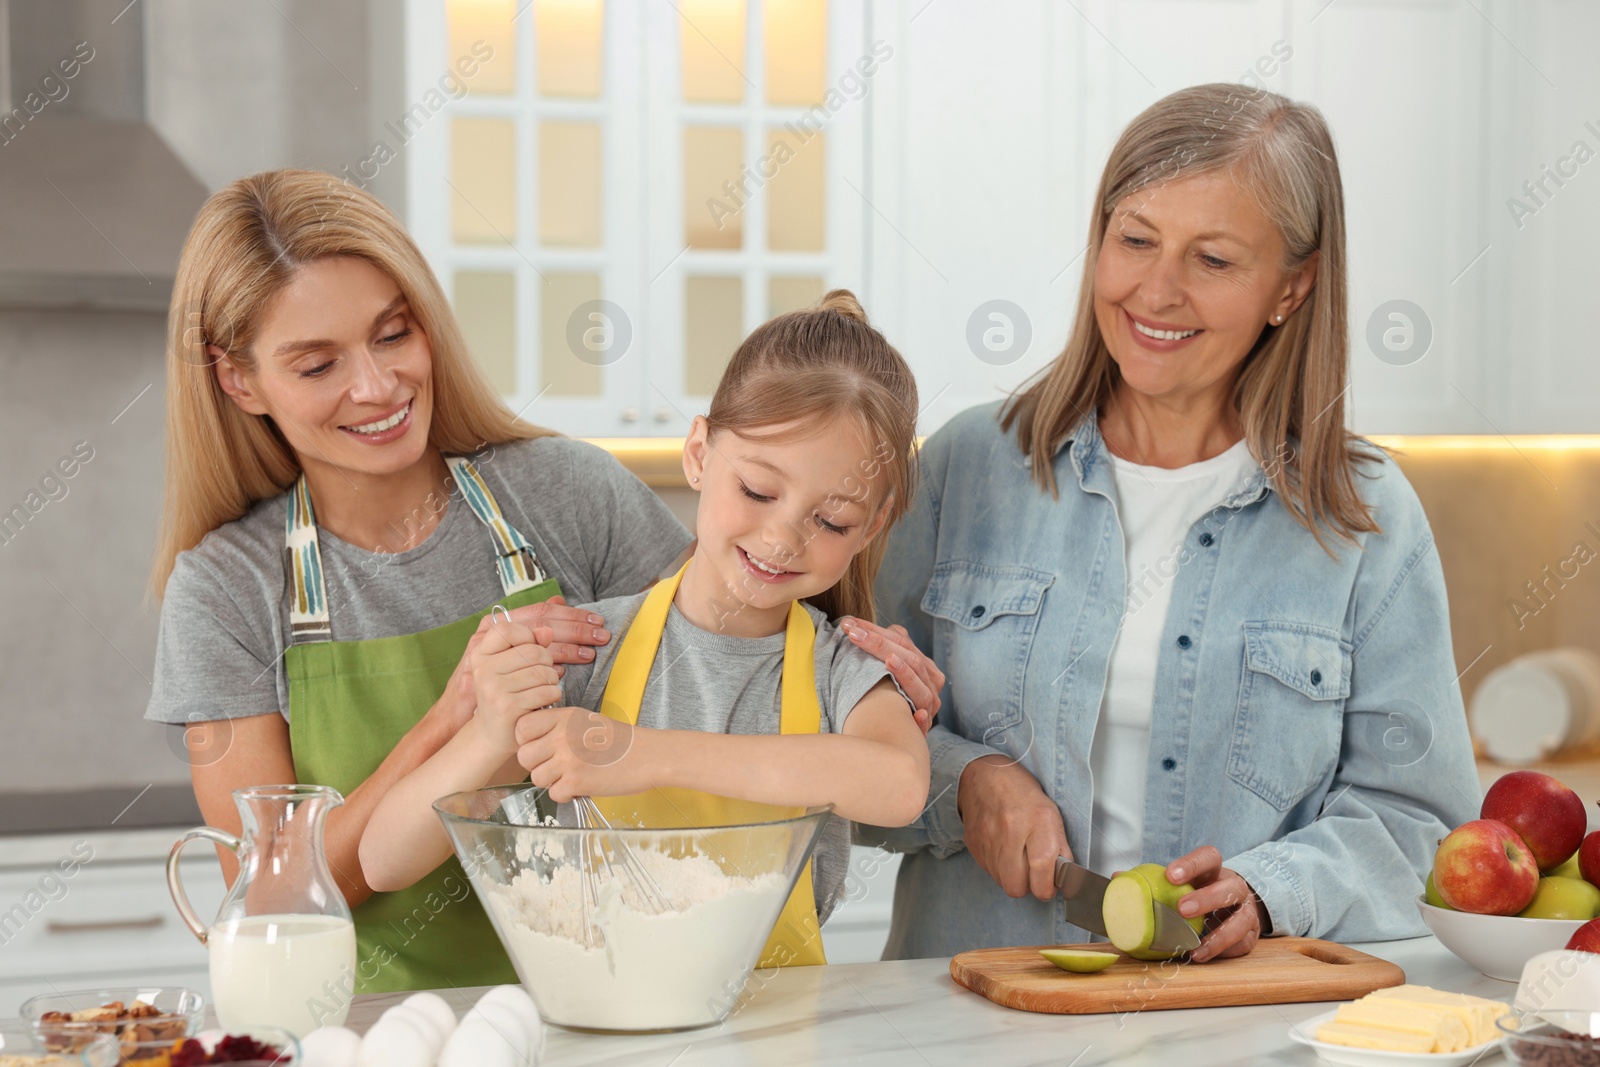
column 1188, row 617
column 345, row 499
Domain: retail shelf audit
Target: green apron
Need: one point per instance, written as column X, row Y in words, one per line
column 350, row 702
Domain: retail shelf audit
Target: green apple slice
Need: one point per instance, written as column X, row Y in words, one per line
column 1078, row 960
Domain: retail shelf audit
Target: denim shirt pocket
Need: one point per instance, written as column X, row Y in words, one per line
column 1288, row 726
column 985, row 620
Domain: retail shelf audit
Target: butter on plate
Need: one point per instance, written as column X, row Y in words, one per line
column 1412, row 1018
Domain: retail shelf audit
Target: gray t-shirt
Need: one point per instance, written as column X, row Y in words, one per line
column 597, row 529
column 733, row 685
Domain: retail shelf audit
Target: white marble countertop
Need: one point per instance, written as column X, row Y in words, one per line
column 912, row 1012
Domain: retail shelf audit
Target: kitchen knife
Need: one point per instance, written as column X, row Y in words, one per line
column 1082, row 897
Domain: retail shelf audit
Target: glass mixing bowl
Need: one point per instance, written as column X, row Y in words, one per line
column 631, row 927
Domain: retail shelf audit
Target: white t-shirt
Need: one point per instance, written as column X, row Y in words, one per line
column 1157, row 507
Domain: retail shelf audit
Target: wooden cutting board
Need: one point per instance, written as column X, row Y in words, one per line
column 1281, row 970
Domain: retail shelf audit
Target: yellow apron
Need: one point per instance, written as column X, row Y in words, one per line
column 797, row 936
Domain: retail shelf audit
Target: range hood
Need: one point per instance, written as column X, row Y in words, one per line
column 94, row 205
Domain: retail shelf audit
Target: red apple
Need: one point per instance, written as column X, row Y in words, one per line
column 1484, row 867
column 1589, row 859
column 1549, row 817
column 1586, row 938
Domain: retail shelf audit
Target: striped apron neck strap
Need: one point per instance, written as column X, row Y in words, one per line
column 308, row 601
column 515, row 558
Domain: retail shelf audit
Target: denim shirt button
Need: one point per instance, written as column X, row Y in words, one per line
column 1205, row 540
column 1316, row 677
column 1169, row 764
column 977, row 612
column 1183, row 641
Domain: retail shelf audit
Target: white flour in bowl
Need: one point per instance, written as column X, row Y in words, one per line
column 681, row 968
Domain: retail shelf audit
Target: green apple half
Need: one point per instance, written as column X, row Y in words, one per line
column 1129, row 909
column 1559, row 897
column 1078, row 960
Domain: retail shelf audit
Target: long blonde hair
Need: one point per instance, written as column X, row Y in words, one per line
column 246, row 244
column 1290, row 388
column 820, row 364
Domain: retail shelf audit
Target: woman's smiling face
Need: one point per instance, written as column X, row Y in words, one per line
column 343, row 369
column 1197, row 260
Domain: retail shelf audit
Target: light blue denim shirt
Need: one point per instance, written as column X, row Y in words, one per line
column 1307, row 718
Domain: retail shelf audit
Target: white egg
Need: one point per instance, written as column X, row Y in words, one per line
column 434, row 1007
column 505, row 1020
column 395, row 1040
column 475, row 1043
column 330, row 1046
column 515, row 997
column 424, row 1023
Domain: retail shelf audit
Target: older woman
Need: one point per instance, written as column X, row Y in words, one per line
column 1187, row 617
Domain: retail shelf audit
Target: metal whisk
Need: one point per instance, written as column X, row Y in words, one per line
column 592, row 855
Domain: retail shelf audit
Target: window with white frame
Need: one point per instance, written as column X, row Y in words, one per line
column 622, row 190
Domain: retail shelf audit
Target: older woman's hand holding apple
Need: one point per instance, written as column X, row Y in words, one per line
column 1235, row 917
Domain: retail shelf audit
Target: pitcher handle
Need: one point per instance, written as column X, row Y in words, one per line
column 175, row 883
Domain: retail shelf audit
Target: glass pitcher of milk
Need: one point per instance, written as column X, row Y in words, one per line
column 283, row 946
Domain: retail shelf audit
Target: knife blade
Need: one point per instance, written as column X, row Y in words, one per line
column 1082, row 892
column 1173, row 932
column 1082, row 899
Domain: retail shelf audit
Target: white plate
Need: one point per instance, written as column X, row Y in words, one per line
column 1304, row 1033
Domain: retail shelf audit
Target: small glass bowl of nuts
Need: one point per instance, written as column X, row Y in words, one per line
column 21, row 1046
column 133, row 1015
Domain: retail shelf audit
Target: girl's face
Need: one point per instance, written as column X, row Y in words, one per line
column 1198, row 256
column 781, row 520
column 342, row 368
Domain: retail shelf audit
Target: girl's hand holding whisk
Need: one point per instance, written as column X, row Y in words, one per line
column 512, row 673
column 576, row 752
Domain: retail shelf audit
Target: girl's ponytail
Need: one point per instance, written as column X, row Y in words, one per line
column 843, row 302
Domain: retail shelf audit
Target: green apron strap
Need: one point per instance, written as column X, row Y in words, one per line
column 309, row 618
column 518, row 562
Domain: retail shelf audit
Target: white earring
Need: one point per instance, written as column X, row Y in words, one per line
column 1277, row 318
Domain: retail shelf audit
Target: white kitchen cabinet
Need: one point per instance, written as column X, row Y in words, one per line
column 992, row 127
column 859, row 926
column 110, row 923
column 962, row 171
column 608, row 234
column 1543, row 198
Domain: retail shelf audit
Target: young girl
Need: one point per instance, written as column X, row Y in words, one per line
column 805, row 460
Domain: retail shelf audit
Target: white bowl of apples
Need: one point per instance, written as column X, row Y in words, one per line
column 1519, row 880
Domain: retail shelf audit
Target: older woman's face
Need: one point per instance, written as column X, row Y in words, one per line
column 1197, row 261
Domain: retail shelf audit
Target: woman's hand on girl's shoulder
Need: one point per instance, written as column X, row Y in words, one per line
column 577, row 752
column 919, row 678
column 573, row 631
